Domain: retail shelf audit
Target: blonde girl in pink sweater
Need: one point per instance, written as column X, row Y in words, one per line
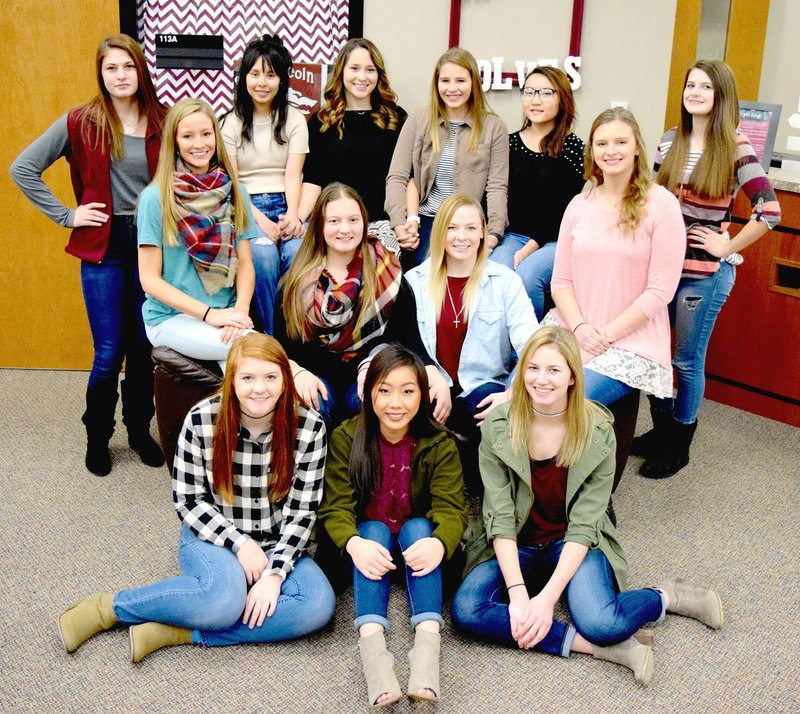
column 617, row 265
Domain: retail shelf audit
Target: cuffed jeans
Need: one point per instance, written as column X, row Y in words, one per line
column 536, row 270
column 209, row 598
column 600, row 613
column 694, row 311
column 270, row 260
column 424, row 593
column 113, row 297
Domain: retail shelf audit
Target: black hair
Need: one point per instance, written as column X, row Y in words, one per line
column 365, row 456
column 271, row 50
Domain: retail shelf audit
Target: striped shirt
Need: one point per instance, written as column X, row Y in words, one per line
column 444, row 184
column 282, row 529
column 716, row 212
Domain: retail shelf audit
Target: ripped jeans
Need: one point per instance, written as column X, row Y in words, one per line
column 693, row 313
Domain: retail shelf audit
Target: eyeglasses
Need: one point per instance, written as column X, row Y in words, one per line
column 544, row 93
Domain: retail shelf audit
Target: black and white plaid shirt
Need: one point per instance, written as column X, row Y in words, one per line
column 281, row 529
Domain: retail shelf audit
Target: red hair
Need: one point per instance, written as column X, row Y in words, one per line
column 284, row 419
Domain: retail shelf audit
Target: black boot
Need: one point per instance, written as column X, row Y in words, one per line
column 675, row 456
column 137, row 411
column 656, row 440
column 101, row 402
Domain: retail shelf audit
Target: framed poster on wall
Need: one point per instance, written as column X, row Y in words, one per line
column 759, row 123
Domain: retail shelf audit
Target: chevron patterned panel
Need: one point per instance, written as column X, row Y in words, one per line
column 313, row 31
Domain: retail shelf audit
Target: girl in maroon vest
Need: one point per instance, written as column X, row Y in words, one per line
column 111, row 144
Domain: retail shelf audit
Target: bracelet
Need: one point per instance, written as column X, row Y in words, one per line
column 517, row 585
column 577, row 326
column 299, row 371
column 413, row 219
column 205, row 314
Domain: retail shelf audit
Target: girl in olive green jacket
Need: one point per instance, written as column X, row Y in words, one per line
column 394, row 492
column 547, row 464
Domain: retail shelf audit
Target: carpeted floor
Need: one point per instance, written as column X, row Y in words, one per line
column 730, row 519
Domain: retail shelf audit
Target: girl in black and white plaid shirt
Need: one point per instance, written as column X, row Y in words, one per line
column 247, row 502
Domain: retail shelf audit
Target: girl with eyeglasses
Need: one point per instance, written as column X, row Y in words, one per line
column 545, row 172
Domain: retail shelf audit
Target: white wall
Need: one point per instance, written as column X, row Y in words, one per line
column 625, row 50
column 779, row 80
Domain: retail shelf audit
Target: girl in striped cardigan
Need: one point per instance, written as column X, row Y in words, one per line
column 704, row 161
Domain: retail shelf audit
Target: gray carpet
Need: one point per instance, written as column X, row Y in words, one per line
column 729, row 519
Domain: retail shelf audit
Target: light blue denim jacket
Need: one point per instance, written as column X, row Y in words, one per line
column 500, row 319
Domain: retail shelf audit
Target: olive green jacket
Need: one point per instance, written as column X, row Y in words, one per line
column 508, row 497
column 437, row 488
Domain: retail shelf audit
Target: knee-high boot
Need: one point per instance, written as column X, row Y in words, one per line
column 101, row 402
column 137, row 412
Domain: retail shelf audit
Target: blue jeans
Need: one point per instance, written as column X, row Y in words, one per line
column 270, row 261
column 113, row 297
column 535, row 271
column 600, row 613
column 412, row 258
column 424, row 593
column 209, row 598
column 339, row 405
column 462, row 422
column 602, row 389
column 694, row 311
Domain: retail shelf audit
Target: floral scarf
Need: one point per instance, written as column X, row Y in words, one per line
column 205, row 224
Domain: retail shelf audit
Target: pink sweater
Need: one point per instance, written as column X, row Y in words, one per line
column 609, row 270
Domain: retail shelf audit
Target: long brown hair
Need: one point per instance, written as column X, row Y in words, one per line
column 165, row 173
column 100, row 124
column 553, row 143
column 477, row 104
column 581, row 413
column 713, row 176
column 284, row 419
column 311, row 256
column 631, row 209
column 383, row 99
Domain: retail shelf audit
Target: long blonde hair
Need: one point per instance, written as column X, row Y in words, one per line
column 437, row 277
column 311, row 257
column 581, row 413
column 165, row 173
column 477, row 104
column 631, row 209
column 100, row 123
column 713, row 176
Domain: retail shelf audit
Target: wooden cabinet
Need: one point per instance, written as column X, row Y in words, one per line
column 754, row 355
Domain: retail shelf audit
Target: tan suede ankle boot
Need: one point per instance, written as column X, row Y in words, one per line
column 631, row 654
column 151, row 636
column 693, row 601
column 86, row 618
column 378, row 666
column 423, row 660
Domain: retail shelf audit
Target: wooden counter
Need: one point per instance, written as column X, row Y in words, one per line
column 754, row 355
